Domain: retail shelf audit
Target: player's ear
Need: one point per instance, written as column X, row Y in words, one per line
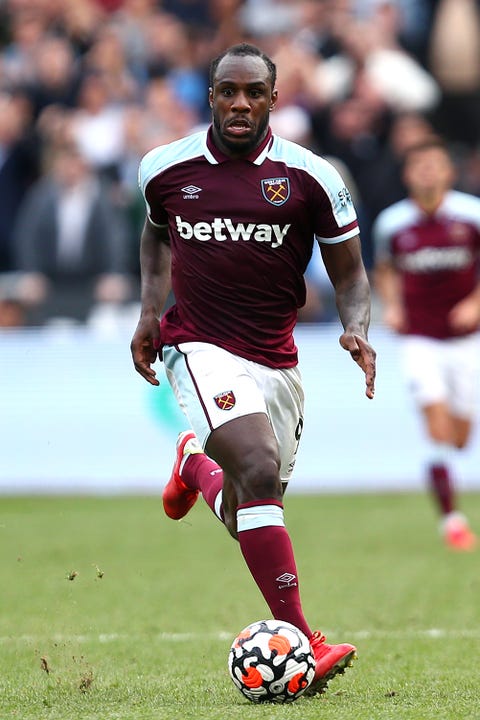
column 210, row 97
column 273, row 100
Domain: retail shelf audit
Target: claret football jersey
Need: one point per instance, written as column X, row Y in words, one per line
column 437, row 256
column 241, row 235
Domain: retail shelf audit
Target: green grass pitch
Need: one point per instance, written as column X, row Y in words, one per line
column 110, row 610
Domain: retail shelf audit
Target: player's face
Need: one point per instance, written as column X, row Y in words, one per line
column 428, row 171
column 241, row 99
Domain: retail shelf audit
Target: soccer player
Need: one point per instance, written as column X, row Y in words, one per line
column 427, row 250
column 232, row 214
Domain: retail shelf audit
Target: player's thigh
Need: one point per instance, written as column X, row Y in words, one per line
column 246, row 448
column 423, row 364
column 212, row 386
column 463, row 369
column 285, row 403
column 439, row 422
column 462, row 430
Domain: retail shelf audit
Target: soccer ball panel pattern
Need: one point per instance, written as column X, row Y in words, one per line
column 271, row 661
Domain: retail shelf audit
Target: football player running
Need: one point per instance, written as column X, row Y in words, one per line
column 427, row 273
column 232, row 215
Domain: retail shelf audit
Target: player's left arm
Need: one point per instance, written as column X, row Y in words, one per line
column 465, row 315
column 345, row 268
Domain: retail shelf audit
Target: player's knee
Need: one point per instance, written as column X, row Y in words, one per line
column 260, row 478
column 230, row 522
column 441, row 434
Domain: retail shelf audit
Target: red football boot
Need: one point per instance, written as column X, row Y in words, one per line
column 457, row 534
column 330, row 660
column 177, row 497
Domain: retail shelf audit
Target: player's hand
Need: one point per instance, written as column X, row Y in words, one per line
column 364, row 355
column 144, row 348
column 465, row 315
column 394, row 318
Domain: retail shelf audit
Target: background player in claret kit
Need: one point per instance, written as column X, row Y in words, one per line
column 232, row 214
column 427, row 271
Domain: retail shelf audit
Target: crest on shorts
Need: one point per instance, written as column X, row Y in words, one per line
column 225, row 400
column 276, row 190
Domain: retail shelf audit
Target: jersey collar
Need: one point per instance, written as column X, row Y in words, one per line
column 216, row 156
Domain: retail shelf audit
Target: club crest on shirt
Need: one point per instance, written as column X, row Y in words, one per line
column 276, row 190
column 225, row 400
column 458, row 232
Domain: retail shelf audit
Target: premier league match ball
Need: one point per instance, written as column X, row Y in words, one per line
column 271, row 661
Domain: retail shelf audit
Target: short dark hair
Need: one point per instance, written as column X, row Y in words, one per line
column 243, row 50
column 431, row 142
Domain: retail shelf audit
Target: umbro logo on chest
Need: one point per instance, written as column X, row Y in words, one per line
column 191, row 192
column 276, row 191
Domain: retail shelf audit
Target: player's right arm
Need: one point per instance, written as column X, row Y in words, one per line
column 386, row 278
column 155, row 288
column 387, row 286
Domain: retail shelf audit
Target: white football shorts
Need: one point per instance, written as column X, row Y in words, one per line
column 213, row 386
column 443, row 371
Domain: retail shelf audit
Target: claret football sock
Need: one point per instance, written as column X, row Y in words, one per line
column 440, row 481
column 193, row 472
column 268, row 552
column 442, row 488
column 203, row 474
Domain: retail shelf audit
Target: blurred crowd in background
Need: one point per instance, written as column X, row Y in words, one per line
column 87, row 87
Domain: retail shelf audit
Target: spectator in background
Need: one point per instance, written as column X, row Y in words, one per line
column 413, row 19
column 386, row 184
column 382, row 183
column 166, row 116
column 362, row 85
column 56, row 78
column 468, row 161
column 352, row 130
column 97, row 127
column 79, row 22
column 28, row 27
column 132, row 21
column 455, row 62
column 12, row 308
column 365, row 52
column 161, row 119
column 19, row 166
column 428, row 278
column 348, row 69
column 107, row 59
column 71, row 244
column 171, row 55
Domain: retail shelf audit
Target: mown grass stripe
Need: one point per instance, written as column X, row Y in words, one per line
column 222, row 636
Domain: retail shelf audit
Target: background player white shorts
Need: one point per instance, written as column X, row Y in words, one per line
column 443, row 371
column 213, row 386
